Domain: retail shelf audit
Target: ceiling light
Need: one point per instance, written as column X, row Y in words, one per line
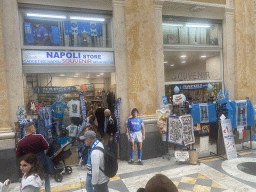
column 62, row 75
column 46, row 16
column 183, row 56
column 172, row 25
column 183, row 61
column 101, row 73
column 198, row 25
column 165, row 61
column 203, row 56
column 87, row 18
column 172, row 65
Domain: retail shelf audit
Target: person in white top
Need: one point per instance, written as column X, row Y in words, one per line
column 96, row 180
column 5, row 186
column 33, row 178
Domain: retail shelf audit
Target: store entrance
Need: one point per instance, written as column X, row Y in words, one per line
column 61, row 96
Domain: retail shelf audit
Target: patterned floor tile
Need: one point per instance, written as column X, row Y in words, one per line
column 204, row 182
column 186, row 186
column 190, row 180
column 216, row 185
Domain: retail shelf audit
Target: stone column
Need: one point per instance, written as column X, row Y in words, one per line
column 245, row 50
column 141, row 55
column 120, row 59
column 229, row 52
column 8, row 168
column 11, row 34
column 159, row 53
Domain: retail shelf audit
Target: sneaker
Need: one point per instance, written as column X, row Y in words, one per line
column 140, row 163
column 131, row 162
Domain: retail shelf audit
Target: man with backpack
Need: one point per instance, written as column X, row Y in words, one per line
column 101, row 161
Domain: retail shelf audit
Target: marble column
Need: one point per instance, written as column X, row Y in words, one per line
column 120, row 59
column 141, row 56
column 159, row 52
column 8, row 168
column 11, row 35
column 229, row 52
column 245, row 49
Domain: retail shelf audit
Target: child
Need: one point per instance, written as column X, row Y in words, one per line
column 33, row 178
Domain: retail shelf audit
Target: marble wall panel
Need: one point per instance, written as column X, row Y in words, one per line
column 245, row 50
column 141, row 49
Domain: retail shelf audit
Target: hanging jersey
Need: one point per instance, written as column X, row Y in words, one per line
column 203, row 113
column 72, row 130
column 58, row 108
column 45, row 113
column 37, row 106
column 40, row 33
column 74, row 108
column 135, row 124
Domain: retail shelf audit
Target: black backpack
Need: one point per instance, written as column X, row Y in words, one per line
column 110, row 159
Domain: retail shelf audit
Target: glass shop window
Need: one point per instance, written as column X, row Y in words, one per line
column 67, row 30
column 190, row 34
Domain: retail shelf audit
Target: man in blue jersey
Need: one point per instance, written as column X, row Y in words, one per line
column 135, row 133
column 40, row 34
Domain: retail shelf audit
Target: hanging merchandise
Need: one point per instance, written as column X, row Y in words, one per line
column 72, row 129
column 204, row 115
column 241, row 113
column 38, row 106
column 74, row 108
column 32, row 107
column 203, row 112
column 45, row 114
column 104, row 98
column 21, row 112
column 83, row 107
column 58, row 108
column 188, row 131
column 174, row 131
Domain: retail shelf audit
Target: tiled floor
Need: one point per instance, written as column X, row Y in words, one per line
column 211, row 175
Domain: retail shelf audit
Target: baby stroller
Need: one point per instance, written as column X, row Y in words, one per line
column 62, row 154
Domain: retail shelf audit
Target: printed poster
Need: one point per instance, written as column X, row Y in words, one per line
column 229, row 140
column 241, row 113
column 204, row 113
column 174, row 130
column 188, row 131
column 162, row 116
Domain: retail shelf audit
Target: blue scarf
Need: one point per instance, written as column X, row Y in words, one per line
column 89, row 165
column 89, row 156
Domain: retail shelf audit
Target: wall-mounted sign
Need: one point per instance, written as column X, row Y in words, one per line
column 186, row 76
column 54, row 89
column 67, row 57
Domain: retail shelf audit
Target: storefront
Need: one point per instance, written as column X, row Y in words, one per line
column 64, row 53
column 193, row 66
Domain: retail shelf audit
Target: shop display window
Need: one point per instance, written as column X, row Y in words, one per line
column 190, row 33
column 69, row 30
column 192, row 66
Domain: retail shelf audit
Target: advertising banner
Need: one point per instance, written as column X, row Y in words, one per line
column 229, row 140
column 54, row 89
column 174, row 131
column 67, row 57
column 188, row 131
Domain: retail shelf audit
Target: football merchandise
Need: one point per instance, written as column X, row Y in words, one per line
column 45, row 113
column 74, row 108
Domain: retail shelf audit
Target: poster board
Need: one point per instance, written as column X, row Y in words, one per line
column 229, row 141
column 174, row 130
column 241, row 113
column 188, row 131
column 204, row 113
column 162, row 116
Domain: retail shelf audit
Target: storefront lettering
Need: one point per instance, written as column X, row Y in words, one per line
column 191, row 76
column 62, row 54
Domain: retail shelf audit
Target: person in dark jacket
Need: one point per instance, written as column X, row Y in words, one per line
column 110, row 124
